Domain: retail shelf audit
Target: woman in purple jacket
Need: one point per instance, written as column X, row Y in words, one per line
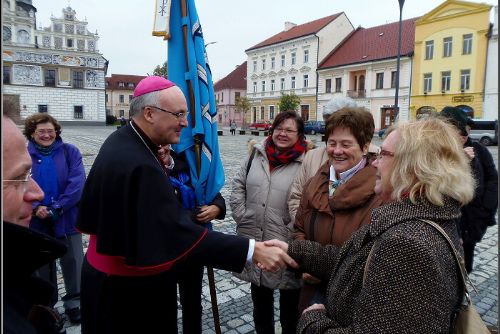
column 58, row 169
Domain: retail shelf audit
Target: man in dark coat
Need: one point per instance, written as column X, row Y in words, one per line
column 138, row 229
column 480, row 213
column 26, row 297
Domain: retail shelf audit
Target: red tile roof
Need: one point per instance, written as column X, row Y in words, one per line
column 237, row 79
column 112, row 82
column 376, row 43
column 305, row 29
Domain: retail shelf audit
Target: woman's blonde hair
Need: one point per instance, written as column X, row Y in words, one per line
column 430, row 161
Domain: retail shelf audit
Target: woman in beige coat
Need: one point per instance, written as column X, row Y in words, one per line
column 259, row 206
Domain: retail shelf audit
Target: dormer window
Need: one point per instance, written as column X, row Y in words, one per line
column 121, row 84
column 130, row 85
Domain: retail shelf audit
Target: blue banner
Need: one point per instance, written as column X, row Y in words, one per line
column 210, row 180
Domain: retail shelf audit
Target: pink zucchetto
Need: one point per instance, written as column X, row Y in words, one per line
column 152, row 84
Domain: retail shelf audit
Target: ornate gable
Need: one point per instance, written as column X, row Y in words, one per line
column 452, row 8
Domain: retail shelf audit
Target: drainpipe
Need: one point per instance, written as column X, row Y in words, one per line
column 411, row 77
column 488, row 35
column 317, row 76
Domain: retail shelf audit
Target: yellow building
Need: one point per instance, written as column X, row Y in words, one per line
column 450, row 58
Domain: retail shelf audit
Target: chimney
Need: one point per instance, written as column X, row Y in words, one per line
column 289, row 25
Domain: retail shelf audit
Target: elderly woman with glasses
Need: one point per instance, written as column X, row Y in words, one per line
column 331, row 211
column 259, row 206
column 58, row 169
column 398, row 274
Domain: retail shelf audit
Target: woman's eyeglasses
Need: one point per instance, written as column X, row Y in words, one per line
column 384, row 153
column 45, row 131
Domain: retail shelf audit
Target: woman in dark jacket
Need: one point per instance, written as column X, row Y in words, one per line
column 58, row 169
column 411, row 281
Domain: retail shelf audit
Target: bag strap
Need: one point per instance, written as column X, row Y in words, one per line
column 458, row 258
column 249, row 164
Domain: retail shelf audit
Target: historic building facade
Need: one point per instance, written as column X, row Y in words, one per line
column 119, row 93
column 227, row 90
column 368, row 75
column 490, row 106
column 57, row 69
column 286, row 63
column 451, row 44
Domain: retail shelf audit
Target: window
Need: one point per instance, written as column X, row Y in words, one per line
column 222, row 96
column 236, row 95
column 130, row 85
column 263, row 64
column 69, row 43
column 429, row 50
column 445, row 81
column 271, row 112
column 273, row 60
column 255, row 65
column 255, row 86
column 50, row 77
column 43, row 108
column 273, row 86
column 6, row 75
column 306, row 56
column 467, row 44
column 427, row 82
column 306, row 81
column 262, row 113
column 130, row 97
column 122, row 113
column 77, row 79
column 78, row 112
column 121, row 84
column 292, row 85
column 293, row 58
column 393, row 79
column 328, row 85
column 338, row 85
column 106, row 98
column 379, row 81
column 263, row 86
column 282, row 84
column 464, row 80
column 282, row 60
column 447, row 46
column 122, row 99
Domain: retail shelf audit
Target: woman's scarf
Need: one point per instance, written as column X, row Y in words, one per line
column 277, row 158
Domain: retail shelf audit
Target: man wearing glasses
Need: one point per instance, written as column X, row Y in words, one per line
column 25, row 296
column 138, row 229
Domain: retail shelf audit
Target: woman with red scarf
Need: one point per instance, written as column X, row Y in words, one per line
column 259, row 206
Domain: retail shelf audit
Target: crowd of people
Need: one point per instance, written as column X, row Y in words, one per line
column 340, row 231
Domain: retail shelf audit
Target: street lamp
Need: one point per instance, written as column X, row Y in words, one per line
column 396, row 107
column 209, row 43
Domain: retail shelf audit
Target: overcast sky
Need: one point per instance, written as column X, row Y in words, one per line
column 125, row 26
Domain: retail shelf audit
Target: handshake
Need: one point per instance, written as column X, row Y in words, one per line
column 272, row 255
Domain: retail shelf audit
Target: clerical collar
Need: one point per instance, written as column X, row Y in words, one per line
column 145, row 138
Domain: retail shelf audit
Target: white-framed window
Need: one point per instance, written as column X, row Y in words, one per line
column 393, row 79
column 328, row 85
column 379, row 84
column 255, row 86
column 262, row 112
column 306, row 80
column 338, row 85
column 294, row 58
column 263, row 86
column 263, row 64
column 122, row 99
column 467, row 44
column 292, row 82
column 306, row 56
column 445, row 81
column 273, row 61
column 447, row 46
column 282, row 84
column 464, row 80
column 283, row 58
column 273, row 86
column 78, row 112
column 427, row 82
column 222, row 96
column 429, row 50
column 271, row 112
column 255, row 65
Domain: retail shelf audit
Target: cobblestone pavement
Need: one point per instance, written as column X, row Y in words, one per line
column 233, row 295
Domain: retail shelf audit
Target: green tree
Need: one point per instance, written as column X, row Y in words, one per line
column 242, row 104
column 161, row 71
column 289, row 102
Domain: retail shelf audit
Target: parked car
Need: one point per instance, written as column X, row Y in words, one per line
column 314, row 127
column 260, row 126
column 486, row 132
